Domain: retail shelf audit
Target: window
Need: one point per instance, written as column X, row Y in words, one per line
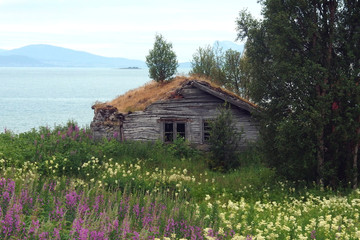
column 180, row 130
column 169, row 132
column 206, row 130
column 172, row 130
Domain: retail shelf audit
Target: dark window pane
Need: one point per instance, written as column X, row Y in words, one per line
column 180, row 127
column 168, row 137
column 206, row 136
column 169, row 127
column 180, row 130
column 207, row 126
column 169, row 132
column 207, row 130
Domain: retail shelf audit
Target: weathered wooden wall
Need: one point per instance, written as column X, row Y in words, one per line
column 194, row 106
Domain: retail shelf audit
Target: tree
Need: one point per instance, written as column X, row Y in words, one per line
column 224, row 141
column 221, row 68
column 217, row 72
column 245, row 70
column 203, row 62
column 162, row 61
column 232, row 71
column 304, row 65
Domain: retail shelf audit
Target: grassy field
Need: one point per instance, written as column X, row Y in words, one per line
column 59, row 184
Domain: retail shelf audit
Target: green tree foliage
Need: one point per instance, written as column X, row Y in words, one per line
column 162, row 61
column 203, row 62
column 224, row 141
column 245, row 80
column 304, row 64
column 222, row 68
column 232, row 71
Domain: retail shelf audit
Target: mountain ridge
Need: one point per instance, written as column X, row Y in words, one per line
column 45, row 55
column 42, row 55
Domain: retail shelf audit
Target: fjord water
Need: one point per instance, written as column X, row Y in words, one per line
column 34, row 97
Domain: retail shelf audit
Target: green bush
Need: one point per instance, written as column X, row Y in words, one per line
column 224, row 141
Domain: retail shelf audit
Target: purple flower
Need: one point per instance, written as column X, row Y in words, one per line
column 99, row 200
column 12, row 224
column 69, row 131
column 94, row 235
column 116, row 134
column 83, row 235
column 43, row 236
column 83, row 208
column 56, row 234
column 136, row 235
column 34, row 226
column 77, row 226
column 9, row 188
column 72, row 199
column 313, row 234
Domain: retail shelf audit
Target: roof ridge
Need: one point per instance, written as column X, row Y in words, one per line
column 140, row 98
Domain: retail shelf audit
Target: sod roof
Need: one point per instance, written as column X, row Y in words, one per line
column 140, row 98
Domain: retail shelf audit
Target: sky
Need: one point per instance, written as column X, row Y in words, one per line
column 118, row 28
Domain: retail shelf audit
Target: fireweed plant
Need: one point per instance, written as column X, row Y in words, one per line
column 59, row 184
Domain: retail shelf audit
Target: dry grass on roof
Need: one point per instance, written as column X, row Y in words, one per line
column 139, row 98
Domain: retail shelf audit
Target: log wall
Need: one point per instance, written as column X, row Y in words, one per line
column 193, row 107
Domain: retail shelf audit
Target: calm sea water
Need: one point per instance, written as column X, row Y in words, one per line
column 34, row 97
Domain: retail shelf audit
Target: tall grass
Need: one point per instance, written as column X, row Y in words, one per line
column 60, row 184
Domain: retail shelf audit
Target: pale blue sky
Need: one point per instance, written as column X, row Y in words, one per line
column 117, row 28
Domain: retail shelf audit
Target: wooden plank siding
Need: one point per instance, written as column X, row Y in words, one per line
column 193, row 106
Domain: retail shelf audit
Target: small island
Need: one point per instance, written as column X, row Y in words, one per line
column 130, row 68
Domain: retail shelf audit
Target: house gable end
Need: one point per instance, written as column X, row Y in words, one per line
column 225, row 97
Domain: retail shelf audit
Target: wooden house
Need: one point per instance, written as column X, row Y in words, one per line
column 165, row 111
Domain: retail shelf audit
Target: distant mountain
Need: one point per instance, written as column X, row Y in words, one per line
column 226, row 45
column 185, row 65
column 51, row 56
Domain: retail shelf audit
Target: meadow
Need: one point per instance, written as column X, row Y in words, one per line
column 60, row 184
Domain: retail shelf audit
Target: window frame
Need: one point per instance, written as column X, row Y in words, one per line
column 175, row 129
column 168, row 133
column 206, row 132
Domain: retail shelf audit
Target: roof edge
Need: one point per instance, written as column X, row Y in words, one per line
column 220, row 93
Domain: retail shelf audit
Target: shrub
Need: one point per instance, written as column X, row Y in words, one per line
column 224, row 141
